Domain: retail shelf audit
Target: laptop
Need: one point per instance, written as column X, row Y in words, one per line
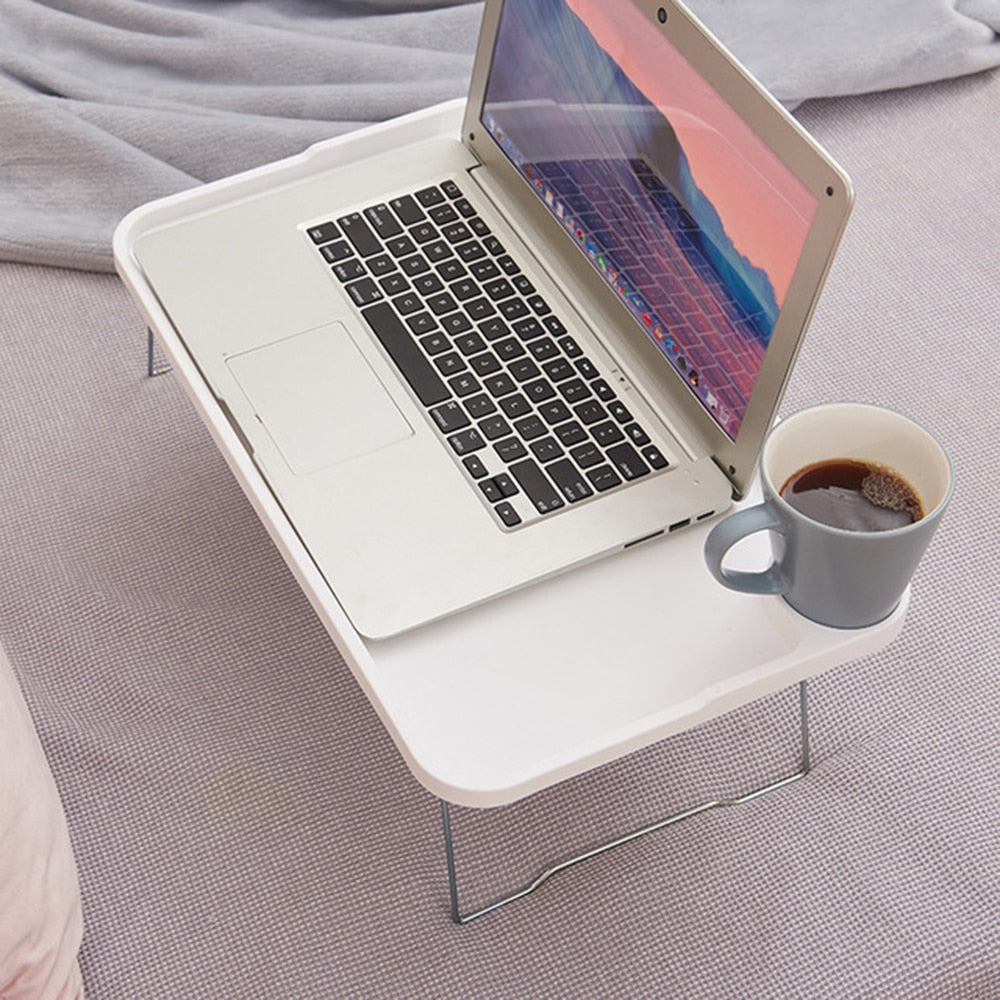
column 464, row 364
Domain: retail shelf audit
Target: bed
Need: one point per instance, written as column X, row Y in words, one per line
column 196, row 800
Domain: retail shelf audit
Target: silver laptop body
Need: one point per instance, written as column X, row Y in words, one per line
column 665, row 224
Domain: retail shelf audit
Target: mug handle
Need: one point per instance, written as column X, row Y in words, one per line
column 731, row 530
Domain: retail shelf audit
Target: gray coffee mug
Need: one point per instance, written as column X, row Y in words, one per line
column 838, row 577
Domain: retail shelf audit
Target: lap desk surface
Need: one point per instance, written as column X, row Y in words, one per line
column 492, row 704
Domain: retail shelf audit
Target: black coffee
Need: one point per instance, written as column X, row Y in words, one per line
column 855, row 496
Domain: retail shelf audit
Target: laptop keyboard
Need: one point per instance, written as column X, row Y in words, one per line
column 519, row 405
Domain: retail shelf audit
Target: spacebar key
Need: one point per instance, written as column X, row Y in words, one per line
column 537, row 486
column 406, row 353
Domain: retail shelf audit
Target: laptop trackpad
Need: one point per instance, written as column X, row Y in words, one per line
column 318, row 398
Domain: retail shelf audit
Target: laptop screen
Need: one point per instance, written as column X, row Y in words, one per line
column 673, row 199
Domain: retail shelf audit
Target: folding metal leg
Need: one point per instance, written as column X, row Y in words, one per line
column 463, row 918
column 153, row 367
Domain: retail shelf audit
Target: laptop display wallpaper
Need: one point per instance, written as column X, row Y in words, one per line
column 674, row 200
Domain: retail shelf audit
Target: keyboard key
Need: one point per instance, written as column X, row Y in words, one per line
column 383, row 221
column 401, row 246
column 499, row 289
column 334, row 252
column 480, row 406
column 620, row 412
column 407, row 210
column 430, row 196
column 607, row 434
column 535, row 485
column 571, row 433
column 464, row 384
column 470, row 251
column 428, row 284
column 414, row 265
column 558, row 370
column 603, row 390
column 348, row 270
column 570, row 347
column 451, row 270
column 407, row 303
column 450, row 417
column 423, row 232
column 590, row 412
column 654, row 456
column 604, row 478
column 493, row 328
column 571, row 483
column 443, row 214
column 547, row 449
column 510, row 450
column 364, row 241
column 456, row 323
column 490, row 490
column 574, row 390
column 421, row 323
column 474, row 466
column 543, row 349
column 435, row 343
column 323, row 233
column 494, row 427
column 627, row 461
column 393, row 284
column 449, row 364
column 528, row 329
column 405, row 352
column 587, row 455
column 470, row 343
column 554, row 411
column 636, row 434
column 508, row 349
column 441, row 303
column 380, row 264
column 507, row 514
column 364, row 292
column 512, row 309
column 539, row 390
column 466, row 441
column 506, row 485
column 485, row 364
column 515, row 406
column 530, row 427
column 484, row 269
column 464, row 289
column 523, row 369
column 451, row 189
column 437, row 251
column 457, row 232
column 499, row 385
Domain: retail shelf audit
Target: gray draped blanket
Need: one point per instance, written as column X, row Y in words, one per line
column 105, row 104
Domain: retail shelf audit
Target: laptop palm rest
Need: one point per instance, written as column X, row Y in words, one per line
column 290, row 384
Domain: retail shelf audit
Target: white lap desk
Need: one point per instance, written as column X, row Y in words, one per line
column 498, row 702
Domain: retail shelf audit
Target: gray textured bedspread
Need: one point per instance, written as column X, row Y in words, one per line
column 105, row 104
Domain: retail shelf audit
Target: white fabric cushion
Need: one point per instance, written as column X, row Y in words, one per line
column 41, row 923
